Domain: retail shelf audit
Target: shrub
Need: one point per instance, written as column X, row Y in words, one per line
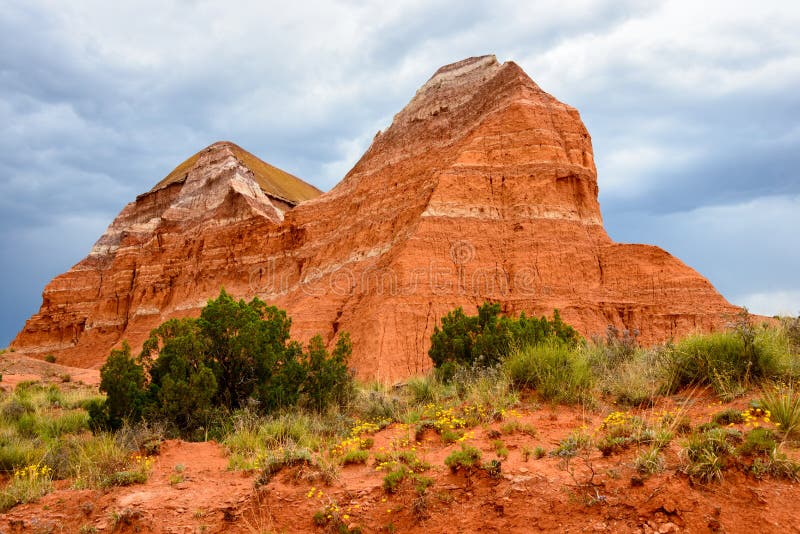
column 727, row 417
column 50, row 358
column 570, row 446
column 357, row 456
column 758, row 441
column 729, row 361
column 791, row 329
column 392, row 481
column 485, row 339
column 556, row 371
column 500, row 448
column 123, row 382
column 467, row 458
column 235, row 354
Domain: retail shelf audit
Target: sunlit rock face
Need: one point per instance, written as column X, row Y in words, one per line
column 483, row 188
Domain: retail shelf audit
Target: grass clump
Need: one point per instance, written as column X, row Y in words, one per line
column 555, row 370
column 759, row 441
column 358, row 456
column 649, row 461
column 26, row 485
column 500, row 448
column 570, row 446
column 395, row 477
column 783, row 403
column 729, row 416
column 709, row 453
column 466, row 459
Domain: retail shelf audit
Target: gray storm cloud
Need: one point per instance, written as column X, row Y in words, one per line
column 692, row 106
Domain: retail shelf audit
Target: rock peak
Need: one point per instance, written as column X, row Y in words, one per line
column 483, row 188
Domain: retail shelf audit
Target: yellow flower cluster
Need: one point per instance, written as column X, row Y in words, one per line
column 33, row 473
column 143, row 462
column 752, row 416
column 443, row 418
column 356, row 439
column 616, row 419
column 314, row 491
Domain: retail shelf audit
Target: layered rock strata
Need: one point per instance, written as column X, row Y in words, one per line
column 483, row 188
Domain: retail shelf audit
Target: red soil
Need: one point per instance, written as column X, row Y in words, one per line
column 530, row 496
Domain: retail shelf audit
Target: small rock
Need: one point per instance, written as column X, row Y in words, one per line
column 668, row 527
column 523, row 469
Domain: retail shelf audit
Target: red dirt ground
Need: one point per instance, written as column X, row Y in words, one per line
column 532, row 496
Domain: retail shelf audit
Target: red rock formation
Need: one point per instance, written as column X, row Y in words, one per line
column 484, row 187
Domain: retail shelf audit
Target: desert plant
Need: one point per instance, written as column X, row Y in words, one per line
column 500, row 448
column 649, row 461
column 485, row 339
column 236, row 354
column 758, row 441
column 570, row 446
column 783, row 403
column 467, row 458
column 393, row 479
column 355, row 457
column 727, row 417
column 555, row 370
column 26, row 485
column 707, row 454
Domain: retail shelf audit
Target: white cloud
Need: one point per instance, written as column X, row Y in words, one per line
column 783, row 303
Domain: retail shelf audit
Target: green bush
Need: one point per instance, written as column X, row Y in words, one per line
column 235, row 354
column 122, row 380
column 728, row 362
column 486, row 338
column 555, row 370
column 467, row 458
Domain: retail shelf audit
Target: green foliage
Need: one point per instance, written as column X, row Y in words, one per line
column 467, row 458
column 783, row 403
column 327, row 379
column 123, row 382
column 182, row 384
column 729, row 362
column 485, row 339
column 707, row 454
column 356, row 456
column 235, row 354
column 500, row 448
column 791, row 329
column 758, row 441
column 649, row 461
column 555, row 370
column 570, row 446
column 50, row 358
column 727, row 417
column 393, row 479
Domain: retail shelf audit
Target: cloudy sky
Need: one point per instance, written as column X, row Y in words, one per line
column 694, row 110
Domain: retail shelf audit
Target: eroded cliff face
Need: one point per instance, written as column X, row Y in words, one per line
column 484, row 187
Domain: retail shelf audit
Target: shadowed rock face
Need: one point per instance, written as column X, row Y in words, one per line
column 484, row 187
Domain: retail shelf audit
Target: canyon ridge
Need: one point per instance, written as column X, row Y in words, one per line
column 483, row 188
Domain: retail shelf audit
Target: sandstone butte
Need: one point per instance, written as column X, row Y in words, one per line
column 483, row 188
